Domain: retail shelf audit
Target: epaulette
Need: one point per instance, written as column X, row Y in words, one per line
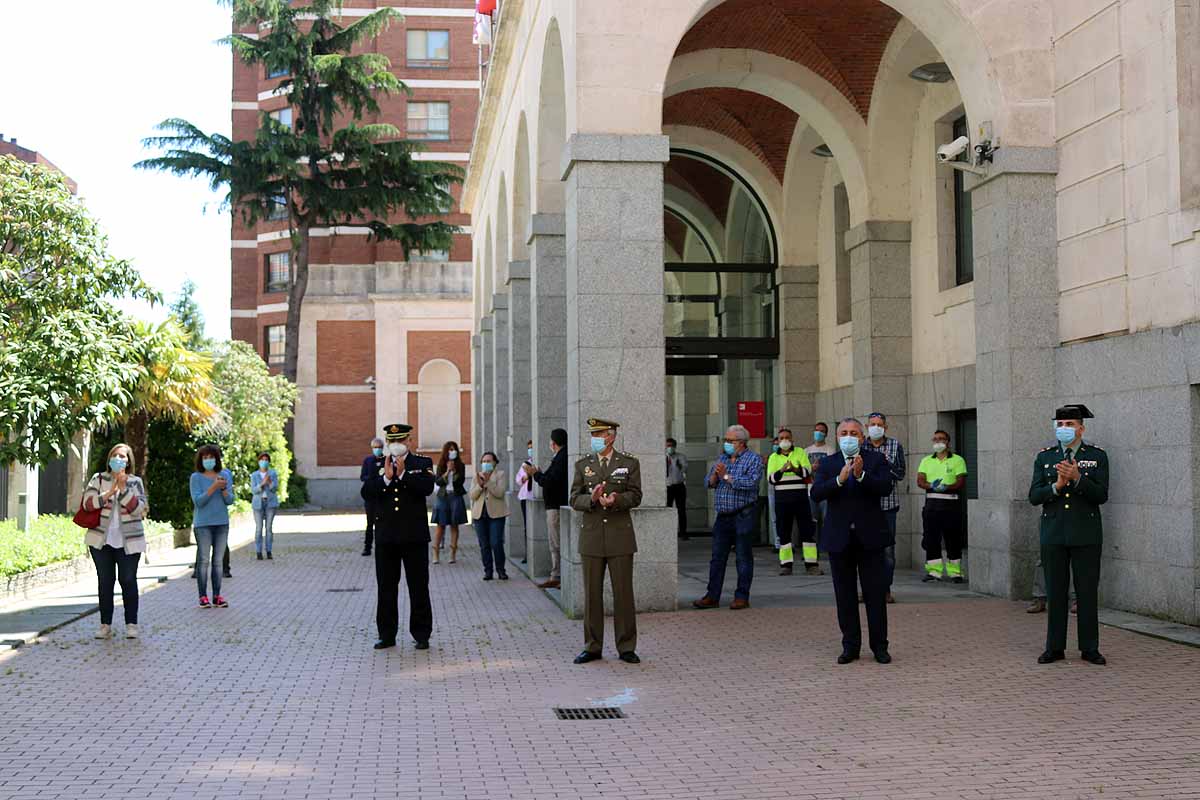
column 623, row 453
column 1047, row 449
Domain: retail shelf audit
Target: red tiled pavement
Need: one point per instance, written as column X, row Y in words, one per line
column 281, row 696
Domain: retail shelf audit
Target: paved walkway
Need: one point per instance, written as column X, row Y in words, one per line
column 281, row 696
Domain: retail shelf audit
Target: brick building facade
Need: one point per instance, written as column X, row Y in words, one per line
column 383, row 339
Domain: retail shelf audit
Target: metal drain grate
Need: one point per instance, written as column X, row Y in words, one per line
column 344, row 590
column 597, row 712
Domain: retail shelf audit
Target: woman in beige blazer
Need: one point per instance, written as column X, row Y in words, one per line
column 489, row 510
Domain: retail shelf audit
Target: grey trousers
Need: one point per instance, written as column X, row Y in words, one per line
column 555, row 553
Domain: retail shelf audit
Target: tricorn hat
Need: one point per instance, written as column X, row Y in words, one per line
column 1074, row 411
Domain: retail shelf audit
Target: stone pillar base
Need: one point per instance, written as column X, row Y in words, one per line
column 655, row 567
column 537, row 539
column 514, row 535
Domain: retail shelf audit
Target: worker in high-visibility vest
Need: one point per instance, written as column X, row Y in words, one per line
column 942, row 475
column 790, row 472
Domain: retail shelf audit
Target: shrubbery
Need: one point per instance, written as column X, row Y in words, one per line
column 50, row 539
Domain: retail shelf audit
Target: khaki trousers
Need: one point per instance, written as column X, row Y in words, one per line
column 620, row 574
column 555, row 553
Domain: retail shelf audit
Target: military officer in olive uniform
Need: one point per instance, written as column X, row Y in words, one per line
column 607, row 484
column 1070, row 483
column 398, row 494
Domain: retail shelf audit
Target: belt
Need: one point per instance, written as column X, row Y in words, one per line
column 940, row 496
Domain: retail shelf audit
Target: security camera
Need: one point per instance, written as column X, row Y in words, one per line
column 949, row 152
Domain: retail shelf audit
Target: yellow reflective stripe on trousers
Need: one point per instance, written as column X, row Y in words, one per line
column 933, row 567
column 810, row 553
column 785, row 554
column 954, row 569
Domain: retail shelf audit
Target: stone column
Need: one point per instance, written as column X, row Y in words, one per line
column 1016, row 323
column 798, row 349
column 476, row 394
column 486, row 399
column 548, row 362
column 519, row 396
column 881, row 310
column 500, row 386
column 616, row 356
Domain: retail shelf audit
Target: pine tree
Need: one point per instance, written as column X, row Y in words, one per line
column 187, row 313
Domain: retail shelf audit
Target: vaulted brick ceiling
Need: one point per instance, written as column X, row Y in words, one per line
column 840, row 40
column 758, row 123
column 704, row 182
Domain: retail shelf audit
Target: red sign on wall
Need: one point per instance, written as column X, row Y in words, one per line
column 752, row 415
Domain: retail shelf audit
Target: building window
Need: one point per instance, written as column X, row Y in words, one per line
column 841, row 224
column 964, row 245
column 438, row 404
column 283, row 116
column 429, row 255
column 429, row 121
column 274, row 335
column 277, row 72
column 428, row 48
column 279, row 272
column 279, row 209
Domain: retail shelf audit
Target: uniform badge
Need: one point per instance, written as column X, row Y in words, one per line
column 621, row 472
column 381, row 470
column 589, row 472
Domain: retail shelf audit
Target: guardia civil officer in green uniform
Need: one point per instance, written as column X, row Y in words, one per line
column 1070, row 483
column 607, row 484
column 397, row 492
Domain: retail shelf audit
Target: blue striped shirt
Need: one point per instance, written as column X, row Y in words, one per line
column 742, row 489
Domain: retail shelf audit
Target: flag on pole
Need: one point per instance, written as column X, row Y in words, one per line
column 485, row 7
column 483, row 30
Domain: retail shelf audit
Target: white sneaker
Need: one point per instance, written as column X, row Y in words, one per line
column 105, row 632
column 131, row 631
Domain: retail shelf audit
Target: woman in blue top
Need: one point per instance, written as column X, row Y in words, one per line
column 212, row 494
column 264, row 486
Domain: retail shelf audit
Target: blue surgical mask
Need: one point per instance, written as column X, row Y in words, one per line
column 1064, row 434
column 116, row 463
column 597, row 444
column 209, row 463
column 378, row 451
column 774, row 448
column 849, row 446
column 530, row 451
column 818, row 436
column 670, row 451
column 263, row 463
column 730, row 448
column 488, row 466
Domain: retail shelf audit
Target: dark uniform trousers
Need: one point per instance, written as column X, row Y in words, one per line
column 943, row 523
column 849, row 567
column 369, row 539
column 411, row 559
column 1061, row 562
column 792, row 510
column 620, row 573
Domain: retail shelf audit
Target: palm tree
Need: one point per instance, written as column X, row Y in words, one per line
column 173, row 381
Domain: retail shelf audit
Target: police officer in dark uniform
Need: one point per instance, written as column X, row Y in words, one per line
column 372, row 465
column 1070, row 483
column 401, row 538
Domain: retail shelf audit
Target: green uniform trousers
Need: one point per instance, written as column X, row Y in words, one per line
column 1061, row 562
column 620, row 574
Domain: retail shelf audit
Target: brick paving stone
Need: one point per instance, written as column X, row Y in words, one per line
column 281, row 696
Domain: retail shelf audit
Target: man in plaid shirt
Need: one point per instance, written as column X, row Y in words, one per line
column 735, row 479
column 890, row 449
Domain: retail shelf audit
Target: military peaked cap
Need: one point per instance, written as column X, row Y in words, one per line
column 397, row 431
column 597, row 425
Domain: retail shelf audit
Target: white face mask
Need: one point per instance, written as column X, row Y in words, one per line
column 939, row 447
column 398, row 450
column 785, row 445
column 452, row 455
column 875, row 431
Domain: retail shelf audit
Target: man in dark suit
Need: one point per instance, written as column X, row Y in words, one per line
column 372, row 466
column 402, row 538
column 855, row 535
column 554, row 482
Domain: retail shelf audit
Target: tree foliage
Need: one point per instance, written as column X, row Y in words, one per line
column 330, row 168
column 187, row 313
column 65, row 349
column 254, row 408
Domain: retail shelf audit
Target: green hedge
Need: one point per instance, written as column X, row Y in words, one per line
column 51, row 538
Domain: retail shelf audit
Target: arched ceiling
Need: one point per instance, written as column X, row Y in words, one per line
column 758, row 123
column 706, row 183
column 840, row 40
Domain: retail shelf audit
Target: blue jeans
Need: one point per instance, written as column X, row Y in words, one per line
column 889, row 552
column 733, row 531
column 264, row 525
column 211, row 541
column 490, row 532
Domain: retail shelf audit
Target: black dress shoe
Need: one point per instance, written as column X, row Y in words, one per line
column 846, row 657
column 384, row 644
column 1050, row 656
column 883, row 657
column 586, row 656
column 366, row 551
column 630, row 658
column 424, row 645
column 487, row 577
column 1093, row 657
column 503, row 576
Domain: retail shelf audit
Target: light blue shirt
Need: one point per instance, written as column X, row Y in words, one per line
column 210, row 509
column 268, row 497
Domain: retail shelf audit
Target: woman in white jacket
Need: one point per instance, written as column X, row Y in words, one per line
column 119, row 541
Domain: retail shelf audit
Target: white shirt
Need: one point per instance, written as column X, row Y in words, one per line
column 114, row 538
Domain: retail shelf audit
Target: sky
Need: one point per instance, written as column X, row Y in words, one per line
column 84, row 83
